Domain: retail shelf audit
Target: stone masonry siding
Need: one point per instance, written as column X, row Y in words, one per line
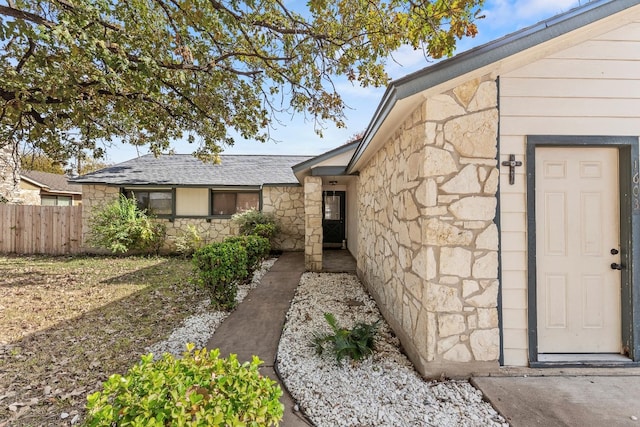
column 287, row 203
column 313, row 223
column 9, row 175
column 30, row 197
column 93, row 197
column 428, row 241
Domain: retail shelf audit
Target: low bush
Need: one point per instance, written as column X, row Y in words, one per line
column 158, row 237
column 257, row 247
column 257, row 223
column 219, row 267
column 357, row 343
column 188, row 241
column 200, row 389
column 122, row 227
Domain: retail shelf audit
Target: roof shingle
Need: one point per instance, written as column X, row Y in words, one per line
column 51, row 182
column 186, row 170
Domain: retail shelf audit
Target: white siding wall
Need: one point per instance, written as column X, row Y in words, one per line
column 337, row 160
column 590, row 89
column 192, row 201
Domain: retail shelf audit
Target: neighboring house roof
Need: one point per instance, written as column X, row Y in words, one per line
column 186, row 170
column 409, row 87
column 50, row 182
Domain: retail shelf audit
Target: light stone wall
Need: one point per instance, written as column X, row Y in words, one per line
column 9, row 175
column 286, row 202
column 428, row 244
column 93, row 197
column 313, row 223
column 30, row 196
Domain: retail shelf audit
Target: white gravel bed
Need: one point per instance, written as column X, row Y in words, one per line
column 199, row 327
column 383, row 390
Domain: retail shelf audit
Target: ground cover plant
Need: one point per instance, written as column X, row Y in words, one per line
column 66, row 324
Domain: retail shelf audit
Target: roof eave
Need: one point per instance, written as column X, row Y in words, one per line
column 34, row 182
column 307, row 164
column 75, row 193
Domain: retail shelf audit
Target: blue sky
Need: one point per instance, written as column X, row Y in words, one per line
column 294, row 135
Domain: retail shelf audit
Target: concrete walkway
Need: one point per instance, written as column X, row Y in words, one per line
column 565, row 397
column 254, row 328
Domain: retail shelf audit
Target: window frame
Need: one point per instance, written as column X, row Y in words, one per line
column 57, row 198
column 129, row 191
column 235, row 191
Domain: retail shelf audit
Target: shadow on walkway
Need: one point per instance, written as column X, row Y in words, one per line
column 254, row 328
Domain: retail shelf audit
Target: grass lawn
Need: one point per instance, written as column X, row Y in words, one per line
column 67, row 323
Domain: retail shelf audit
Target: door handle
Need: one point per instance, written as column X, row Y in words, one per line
column 616, row 266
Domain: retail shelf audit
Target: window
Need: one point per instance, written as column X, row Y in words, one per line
column 229, row 203
column 56, row 201
column 158, row 202
column 332, row 207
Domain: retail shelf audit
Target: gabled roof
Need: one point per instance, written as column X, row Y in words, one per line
column 50, row 182
column 186, row 170
column 333, row 162
column 325, row 156
column 483, row 56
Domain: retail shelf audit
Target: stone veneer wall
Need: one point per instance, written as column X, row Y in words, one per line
column 94, row 196
column 428, row 243
column 287, row 203
column 313, row 223
column 30, row 197
column 9, row 175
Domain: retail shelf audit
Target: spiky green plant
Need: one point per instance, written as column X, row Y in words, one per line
column 356, row 343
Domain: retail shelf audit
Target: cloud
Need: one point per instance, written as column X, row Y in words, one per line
column 514, row 14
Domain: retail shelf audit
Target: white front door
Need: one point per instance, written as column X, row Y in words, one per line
column 577, row 239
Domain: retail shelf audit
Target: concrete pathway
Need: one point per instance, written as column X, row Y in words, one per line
column 255, row 326
column 573, row 397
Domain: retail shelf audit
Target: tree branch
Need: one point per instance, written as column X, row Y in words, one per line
column 26, row 16
column 25, row 57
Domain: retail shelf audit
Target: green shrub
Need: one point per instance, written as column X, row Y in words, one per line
column 201, row 389
column 357, row 343
column 158, row 237
column 258, row 223
column 219, row 267
column 121, row 227
column 265, row 230
column 257, row 249
column 188, row 241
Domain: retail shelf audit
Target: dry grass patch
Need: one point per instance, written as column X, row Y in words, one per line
column 66, row 324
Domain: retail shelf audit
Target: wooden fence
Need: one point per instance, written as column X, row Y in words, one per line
column 51, row 230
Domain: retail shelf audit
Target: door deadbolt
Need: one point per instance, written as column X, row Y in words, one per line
column 614, row 251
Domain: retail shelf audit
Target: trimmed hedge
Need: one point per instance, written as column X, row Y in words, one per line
column 201, row 389
column 257, row 247
column 219, row 267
